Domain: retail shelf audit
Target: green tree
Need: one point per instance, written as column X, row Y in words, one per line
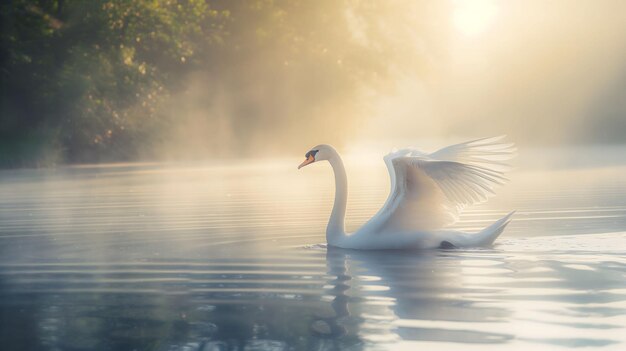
column 116, row 80
column 82, row 80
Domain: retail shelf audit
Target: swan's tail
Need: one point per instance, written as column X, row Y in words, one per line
column 488, row 235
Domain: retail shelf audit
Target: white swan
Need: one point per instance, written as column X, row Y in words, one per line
column 427, row 193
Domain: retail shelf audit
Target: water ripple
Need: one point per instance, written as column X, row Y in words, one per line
column 149, row 257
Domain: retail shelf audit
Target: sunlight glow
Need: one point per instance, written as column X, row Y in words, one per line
column 474, row 17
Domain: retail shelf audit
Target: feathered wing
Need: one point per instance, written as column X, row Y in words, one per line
column 429, row 190
column 490, row 153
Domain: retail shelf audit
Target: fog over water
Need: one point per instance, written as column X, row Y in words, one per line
column 207, row 237
column 232, row 256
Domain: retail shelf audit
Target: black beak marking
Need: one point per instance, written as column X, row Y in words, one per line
column 311, row 153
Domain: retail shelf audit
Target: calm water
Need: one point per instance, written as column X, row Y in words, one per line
column 229, row 257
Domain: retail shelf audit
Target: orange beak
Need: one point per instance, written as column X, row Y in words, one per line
column 310, row 159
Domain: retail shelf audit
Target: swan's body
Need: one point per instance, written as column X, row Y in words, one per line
column 427, row 193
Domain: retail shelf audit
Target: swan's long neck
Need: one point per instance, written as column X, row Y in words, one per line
column 336, row 229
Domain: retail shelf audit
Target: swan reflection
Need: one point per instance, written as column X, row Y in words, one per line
column 383, row 296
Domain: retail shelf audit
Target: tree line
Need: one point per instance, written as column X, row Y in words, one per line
column 109, row 80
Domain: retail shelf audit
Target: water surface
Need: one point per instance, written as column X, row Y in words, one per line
column 231, row 257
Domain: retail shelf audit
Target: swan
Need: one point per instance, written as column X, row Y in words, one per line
column 427, row 193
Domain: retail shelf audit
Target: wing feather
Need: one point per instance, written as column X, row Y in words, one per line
column 487, row 152
column 429, row 190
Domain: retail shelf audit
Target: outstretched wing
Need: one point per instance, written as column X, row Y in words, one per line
column 429, row 190
column 490, row 153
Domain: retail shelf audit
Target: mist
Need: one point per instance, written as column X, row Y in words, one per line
column 545, row 74
column 110, row 81
column 155, row 195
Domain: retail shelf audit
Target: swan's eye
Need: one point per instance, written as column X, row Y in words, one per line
column 311, row 153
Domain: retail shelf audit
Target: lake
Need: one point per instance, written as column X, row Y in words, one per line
column 231, row 256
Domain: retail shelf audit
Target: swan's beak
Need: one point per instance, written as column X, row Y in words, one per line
column 308, row 160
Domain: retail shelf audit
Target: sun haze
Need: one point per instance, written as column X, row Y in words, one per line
column 473, row 17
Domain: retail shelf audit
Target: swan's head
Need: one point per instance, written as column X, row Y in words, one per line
column 319, row 153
